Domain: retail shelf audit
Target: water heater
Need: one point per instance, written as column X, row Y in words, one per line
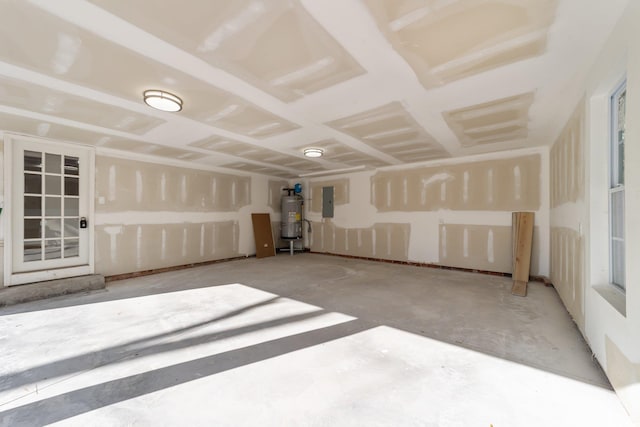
column 291, row 227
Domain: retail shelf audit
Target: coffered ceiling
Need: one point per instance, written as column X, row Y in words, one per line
column 371, row 82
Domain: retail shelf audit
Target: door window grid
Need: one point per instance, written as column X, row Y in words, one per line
column 616, row 188
column 51, row 206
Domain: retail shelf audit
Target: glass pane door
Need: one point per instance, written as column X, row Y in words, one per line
column 51, row 214
column 50, row 194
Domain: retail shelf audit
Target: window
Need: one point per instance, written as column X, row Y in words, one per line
column 616, row 187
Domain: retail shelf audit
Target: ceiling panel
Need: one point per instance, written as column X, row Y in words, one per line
column 497, row 121
column 40, row 99
column 40, row 128
column 448, row 40
column 73, row 54
column 393, row 131
column 149, row 148
column 338, row 152
column 253, row 152
column 371, row 82
column 264, row 170
column 274, row 45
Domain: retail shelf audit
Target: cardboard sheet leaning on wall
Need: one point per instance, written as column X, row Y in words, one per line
column 263, row 235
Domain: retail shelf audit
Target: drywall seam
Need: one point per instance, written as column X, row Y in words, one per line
column 427, row 35
column 425, row 225
column 161, row 216
column 567, row 265
column 565, row 216
column 505, row 119
column 306, row 60
column 482, row 247
column 156, row 160
column 474, row 158
column 75, row 108
column 567, row 160
column 168, row 188
column 255, row 152
column 382, row 240
column 392, row 130
column 168, row 217
column 442, row 217
column 129, row 248
column 515, row 186
column 276, row 192
column 338, row 152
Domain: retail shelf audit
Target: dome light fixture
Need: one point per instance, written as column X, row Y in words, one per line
column 313, row 152
column 161, row 100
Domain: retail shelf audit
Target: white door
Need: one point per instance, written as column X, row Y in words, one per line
column 51, row 225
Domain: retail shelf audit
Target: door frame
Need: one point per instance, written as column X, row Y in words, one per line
column 11, row 278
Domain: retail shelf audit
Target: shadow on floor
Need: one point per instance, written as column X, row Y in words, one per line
column 83, row 400
column 104, row 295
column 372, row 299
column 143, row 347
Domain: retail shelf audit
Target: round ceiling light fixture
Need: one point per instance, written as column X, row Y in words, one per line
column 163, row 101
column 313, row 152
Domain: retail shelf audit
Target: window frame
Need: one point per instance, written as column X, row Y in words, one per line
column 616, row 187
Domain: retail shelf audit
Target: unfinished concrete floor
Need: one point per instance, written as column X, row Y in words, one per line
column 304, row 340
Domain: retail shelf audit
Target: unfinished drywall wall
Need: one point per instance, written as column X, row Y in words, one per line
column 511, row 184
column 579, row 171
column 567, row 266
column 566, row 169
column 130, row 248
column 383, row 241
column 276, row 191
column 2, row 205
column 1, row 264
column 431, row 206
column 624, row 375
column 123, row 185
column 484, row 247
column 340, row 193
column 151, row 215
column 567, row 161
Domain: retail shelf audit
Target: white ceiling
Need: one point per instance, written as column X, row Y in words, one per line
column 372, row 82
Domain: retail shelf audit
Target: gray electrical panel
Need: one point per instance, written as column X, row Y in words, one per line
column 327, row 202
